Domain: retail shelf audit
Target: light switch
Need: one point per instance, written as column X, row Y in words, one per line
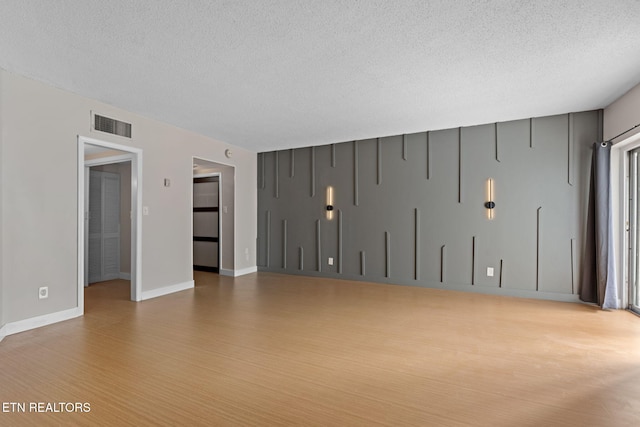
column 330, row 261
column 224, row 209
column 145, row 210
column 490, row 271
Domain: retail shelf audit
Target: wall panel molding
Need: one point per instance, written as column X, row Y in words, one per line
column 339, row 241
column 356, row 200
column 333, row 155
column 416, row 243
column 300, row 258
column 570, row 149
column 459, row 165
column 284, row 243
column 428, row 157
column 432, row 227
column 292, row 163
column 387, row 254
column 312, row 171
column 404, row 147
column 443, row 263
column 276, row 179
column 538, row 219
column 379, row 169
column 318, row 247
column 495, row 131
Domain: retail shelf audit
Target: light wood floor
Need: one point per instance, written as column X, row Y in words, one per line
column 268, row 349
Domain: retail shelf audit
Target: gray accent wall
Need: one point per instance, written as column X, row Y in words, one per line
column 409, row 209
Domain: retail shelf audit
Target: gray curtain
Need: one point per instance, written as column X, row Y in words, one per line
column 598, row 281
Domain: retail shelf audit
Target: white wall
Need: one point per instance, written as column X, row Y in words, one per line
column 39, row 185
column 622, row 114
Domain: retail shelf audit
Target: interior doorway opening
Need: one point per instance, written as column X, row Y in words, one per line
column 212, row 205
column 103, row 160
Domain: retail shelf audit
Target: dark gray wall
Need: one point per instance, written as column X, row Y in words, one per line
column 409, row 209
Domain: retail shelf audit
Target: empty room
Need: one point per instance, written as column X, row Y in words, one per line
column 323, row 213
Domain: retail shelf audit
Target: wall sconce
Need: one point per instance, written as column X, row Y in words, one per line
column 329, row 202
column 490, row 204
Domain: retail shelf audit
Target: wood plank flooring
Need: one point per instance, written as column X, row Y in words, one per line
column 268, row 349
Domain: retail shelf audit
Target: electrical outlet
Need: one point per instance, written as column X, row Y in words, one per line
column 330, row 261
column 43, row 292
column 489, row 271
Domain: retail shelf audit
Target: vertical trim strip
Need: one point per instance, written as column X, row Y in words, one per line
column 268, row 254
column 459, row 165
column 333, row 155
column 318, row 247
column 284, row 243
column 501, row 270
column 277, row 173
column 495, row 128
column 379, row 151
column 428, row 157
column 531, row 132
column 443, row 254
column 404, row 147
column 600, row 124
column 362, row 263
column 292, row 166
column 538, row 248
column 339, row 241
column 417, row 244
column 356, row 200
column 570, row 149
column 261, row 183
column 312, row 171
column 300, row 258
column 387, row 247
column 573, row 289
column 473, row 260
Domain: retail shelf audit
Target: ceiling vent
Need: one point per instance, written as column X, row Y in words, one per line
column 113, row 126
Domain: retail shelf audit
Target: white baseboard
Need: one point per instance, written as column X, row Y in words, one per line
column 236, row 273
column 154, row 293
column 124, row 276
column 39, row 321
column 3, row 332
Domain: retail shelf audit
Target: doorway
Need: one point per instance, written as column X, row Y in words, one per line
column 213, row 216
column 206, row 223
column 91, row 153
column 105, row 212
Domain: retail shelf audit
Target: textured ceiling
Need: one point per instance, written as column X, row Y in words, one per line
column 288, row 73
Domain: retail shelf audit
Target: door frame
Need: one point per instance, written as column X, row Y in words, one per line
column 87, row 174
column 135, row 156
column 232, row 237
column 220, row 212
column 619, row 163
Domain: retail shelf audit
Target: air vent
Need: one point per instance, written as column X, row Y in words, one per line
column 116, row 127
